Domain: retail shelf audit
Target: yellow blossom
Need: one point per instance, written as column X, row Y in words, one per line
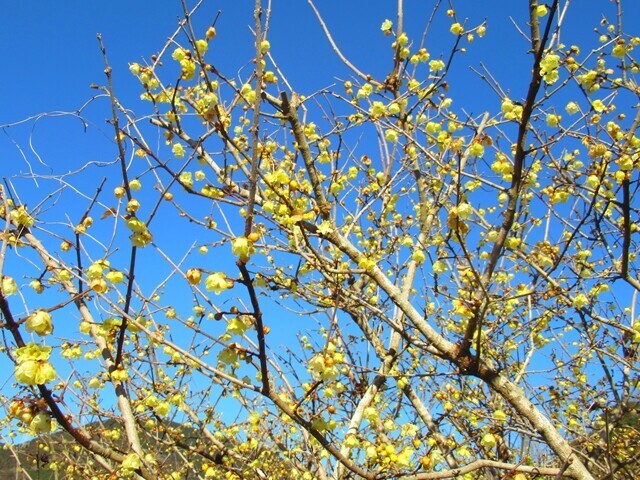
column 179, row 54
column 141, row 239
column 9, row 286
column 572, row 107
column 456, row 29
column 580, row 300
column 418, row 256
column 33, row 367
column 386, row 27
column 193, row 276
column 436, row 65
column 37, row 286
column 549, row 68
column 489, row 440
column 115, row 276
column 217, row 283
column 40, row 323
column 476, row 149
column 237, row 326
column 598, row 106
column 439, row 267
column 202, row 46
column 21, row 217
column 242, row 247
column 178, row 150
column 186, row 179
column 41, row 423
column 131, row 462
column 98, row 285
column 553, row 120
column 135, row 225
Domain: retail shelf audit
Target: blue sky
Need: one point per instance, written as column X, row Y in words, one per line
column 51, row 53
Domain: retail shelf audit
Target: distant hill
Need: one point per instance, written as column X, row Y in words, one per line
column 33, row 461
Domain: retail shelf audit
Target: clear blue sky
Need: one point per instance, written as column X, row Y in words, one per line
column 51, row 54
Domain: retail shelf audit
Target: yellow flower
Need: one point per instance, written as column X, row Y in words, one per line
column 193, row 276
column 265, row 46
column 32, row 351
column 9, row 286
column 115, row 276
column 178, row 150
column 135, row 184
column 436, row 65
column 476, row 149
column 21, row 217
column 98, row 285
column 37, row 286
column 598, row 106
column 134, row 68
column 439, row 267
column 34, row 372
column 325, row 227
column 95, row 270
column 133, row 205
column 541, row 10
column 237, row 326
column 418, row 256
column 178, row 54
column 40, row 323
column 242, row 248
column 41, row 423
column 228, row 356
column 553, row 120
column 135, row 225
column 141, row 239
column 202, row 46
column 580, row 301
column 489, row 440
column 386, row 27
column 572, row 107
column 377, row 109
column 162, row 409
column 131, row 462
column 456, row 29
column 619, row 51
column 186, row 179
column 549, row 68
column 391, row 135
column 217, row 283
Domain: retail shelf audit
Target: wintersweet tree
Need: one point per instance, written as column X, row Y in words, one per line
column 365, row 280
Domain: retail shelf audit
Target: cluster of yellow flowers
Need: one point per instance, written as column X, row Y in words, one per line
column 324, row 366
column 21, row 218
column 141, row 236
column 33, row 367
column 37, row 420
